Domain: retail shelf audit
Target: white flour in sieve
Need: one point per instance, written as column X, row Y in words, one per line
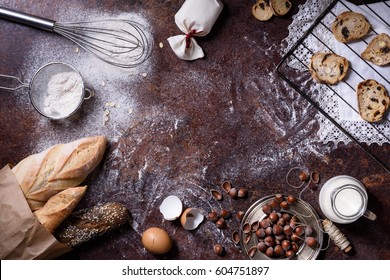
column 63, row 95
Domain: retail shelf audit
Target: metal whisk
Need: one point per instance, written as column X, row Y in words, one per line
column 119, row 42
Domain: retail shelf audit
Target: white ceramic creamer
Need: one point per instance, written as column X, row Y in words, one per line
column 343, row 199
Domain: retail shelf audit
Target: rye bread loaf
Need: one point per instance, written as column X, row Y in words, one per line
column 328, row 68
column 59, row 207
column 60, row 167
column 349, row 26
column 378, row 50
column 280, row 7
column 87, row 224
column 373, row 100
column 262, row 11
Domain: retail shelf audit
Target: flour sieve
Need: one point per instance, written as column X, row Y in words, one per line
column 56, row 90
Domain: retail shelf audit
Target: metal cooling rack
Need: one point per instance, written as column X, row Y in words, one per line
column 296, row 78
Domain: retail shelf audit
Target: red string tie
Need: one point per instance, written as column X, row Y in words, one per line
column 188, row 37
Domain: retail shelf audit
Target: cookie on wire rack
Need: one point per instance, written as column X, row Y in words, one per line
column 378, row 50
column 349, row 26
column 328, row 68
column 373, row 100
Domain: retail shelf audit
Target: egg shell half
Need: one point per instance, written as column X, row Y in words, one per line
column 156, row 241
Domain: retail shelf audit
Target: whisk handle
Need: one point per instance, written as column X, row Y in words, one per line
column 27, row 19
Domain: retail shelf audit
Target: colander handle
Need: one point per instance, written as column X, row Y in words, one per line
column 27, row 19
column 20, row 83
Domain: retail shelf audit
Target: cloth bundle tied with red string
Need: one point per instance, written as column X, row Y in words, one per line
column 194, row 18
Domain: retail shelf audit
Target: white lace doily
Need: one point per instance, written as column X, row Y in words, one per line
column 343, row 112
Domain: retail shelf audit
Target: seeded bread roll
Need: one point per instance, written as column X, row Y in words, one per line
column 373, row 100
column 280, row 7
column 87, row 224
column 262, row 11
column 349, row 26
column 378, row 50
column 328, row 68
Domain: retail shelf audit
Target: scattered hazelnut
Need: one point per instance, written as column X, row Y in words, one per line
column 226, row 186
column 224, row 214
column 303, row 176
column 219, row 250
column 240, row 215
column 221, row 223
column 284, row 205
column 261, row 246
column 216, row 195
column 269, row 252
column 233, row 193
column 290, row 254
column 273, row 217
column 242, row 193
column 212, row 216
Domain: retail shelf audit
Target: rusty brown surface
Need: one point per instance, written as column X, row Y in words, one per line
column 193, row 125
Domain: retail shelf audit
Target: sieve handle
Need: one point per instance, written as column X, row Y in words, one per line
column 27, row 19
column 21, row 84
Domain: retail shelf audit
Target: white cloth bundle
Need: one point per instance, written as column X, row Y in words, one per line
column 194, row 18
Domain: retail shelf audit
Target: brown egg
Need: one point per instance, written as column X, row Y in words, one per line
column 156, row 241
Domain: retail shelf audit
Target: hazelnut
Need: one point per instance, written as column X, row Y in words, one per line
column 284, row 205
column 240, row 215
column 269, row 252
column 291, row 199
column 286, row 217
column 280, row 237
column 219, row 250
column 278, row 250
column 216, row 195
column 281, row 222
column 277, row 230
column 273, row 217
column 268, row 231
column 221, row 223
column 299, row 230
column 242, row 193
column 261, row 246
column 265, row 223
column 252, row 251
column 309, row 230
column 290, row 254
column 311, row 242
column 224, row 214
column 286, row 245
column 303, row 176
column 278, row 198
column 267, row 209
column 212, row 216
column 226, row 186
column 288, row 230
column 269, row 241
column 294, row 247
column 236, row 237
column 233, row 193
column 260, row 233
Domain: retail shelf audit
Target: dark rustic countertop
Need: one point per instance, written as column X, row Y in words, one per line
column 181, row 128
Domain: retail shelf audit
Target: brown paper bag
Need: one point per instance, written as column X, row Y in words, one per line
column 21, row 235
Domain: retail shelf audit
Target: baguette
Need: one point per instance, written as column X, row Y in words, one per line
column 328, row 68
column 349, row 26
column 59, row 207
column 60, row 167
column 87, row 224
column 262, row 11
column 378, row 50
column 280, row 7
column 373, row 100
